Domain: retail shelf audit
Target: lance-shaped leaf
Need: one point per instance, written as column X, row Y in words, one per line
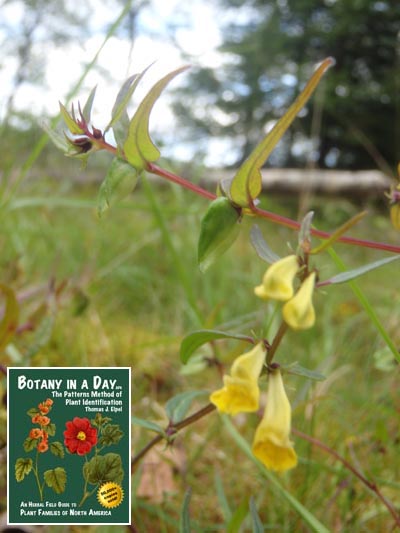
column 147, row 424
column 139, row 148
column 56, row 479
column 264, row 252
column 120, row 181
column 124, row 95
column 338, row 233
column 255, row 517
column 356, row 272
column 246, row 184
column 69, row 121
column 87, row 108
column 298, row 370
column 9, row 321
column 219, row 229
column 184, row 522
column 177, row 406
column 59, row 140
column 196, row 339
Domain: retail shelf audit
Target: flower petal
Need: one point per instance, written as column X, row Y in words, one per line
column 277, row 282
column 299, row 312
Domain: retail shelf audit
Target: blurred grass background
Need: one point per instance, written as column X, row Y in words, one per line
column 121, row 301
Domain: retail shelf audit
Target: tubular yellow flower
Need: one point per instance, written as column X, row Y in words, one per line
column 299, row 312
column 278, row 280
column 271, row 442
column 240, row 392
column 395, row 215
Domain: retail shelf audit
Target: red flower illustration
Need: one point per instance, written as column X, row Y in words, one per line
column 80, row 436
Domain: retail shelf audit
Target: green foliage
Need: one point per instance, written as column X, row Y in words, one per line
column 102, row 468
column 120, row 181
column 9, row 321
column 177, row 407
column 23, row 467
column 57, row 449
column 138, row 147
column 219, row 229
column 56, row 479
column 197, row 338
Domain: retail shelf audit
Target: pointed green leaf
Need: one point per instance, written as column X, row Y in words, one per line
column 56, row 479
column 30, row 444
column 57, row 449
column 9, row 322
column 196, row 339
column 69, row 121
column 305, row 229
column 22, row 468
column 87, row 108
column 246, row 184
column 264, row 252
column 121, row 179
column 351, row 274
column 177, row 407
column 146, row 424
column 240, row 513
column 338, row 233
column 257, row 525
column 123, row 97
column 184, row 522
column 219, row 229
column 56, row 138
column 299, row 370
column 139, row 148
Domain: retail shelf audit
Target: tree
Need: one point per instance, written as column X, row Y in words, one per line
column 269, row 50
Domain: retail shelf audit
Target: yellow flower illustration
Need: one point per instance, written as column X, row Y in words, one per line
column 299, row 312
column 271, row 442
column 277, row 282
column 240, row 392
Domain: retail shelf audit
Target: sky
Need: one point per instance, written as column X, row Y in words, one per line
column 197, row 34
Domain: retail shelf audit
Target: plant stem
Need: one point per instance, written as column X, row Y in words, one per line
column 276, row 342
column 171, row 430
column 370, row 484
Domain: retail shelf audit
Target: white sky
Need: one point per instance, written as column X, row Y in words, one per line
column 199, row 38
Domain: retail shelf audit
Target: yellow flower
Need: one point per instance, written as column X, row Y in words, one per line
column 278, row 280
column 271, row 442
column 240, row 392
column 299, row 312
column 395, row 215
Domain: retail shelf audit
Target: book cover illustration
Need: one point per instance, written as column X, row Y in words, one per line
column 69, row 445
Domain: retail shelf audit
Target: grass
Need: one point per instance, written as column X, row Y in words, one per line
column 133, row 290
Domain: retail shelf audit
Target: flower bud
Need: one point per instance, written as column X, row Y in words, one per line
column 278, row 280
column 299, row 312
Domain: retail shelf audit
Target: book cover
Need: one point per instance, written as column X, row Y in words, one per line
column 69, row 445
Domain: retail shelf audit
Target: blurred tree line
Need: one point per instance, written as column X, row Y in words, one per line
column 269, row 49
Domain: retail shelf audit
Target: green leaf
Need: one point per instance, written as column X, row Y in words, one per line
column 56, row 138
column 246, row 184
column 239, row 515
column 124, row 95
column 102, row 468
column 299, row 370
column 138, row 147
column 264, row 252
column 257, row 526
column 33, row 411
column 196, row 339
column 87, row 108
column 121, row 179
column 56, row 479
column 30, row 444
column 57, row 449
column 305, row 229
column 152, row 426
column 9, row 322
column 219, row 229
column 100, row 420
column 355, row 273
column 338, row 233
column 51, row 429
column 22, row 468
column 177, row 407
column 184, row 522
column 69, row 121
column 111, row 434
